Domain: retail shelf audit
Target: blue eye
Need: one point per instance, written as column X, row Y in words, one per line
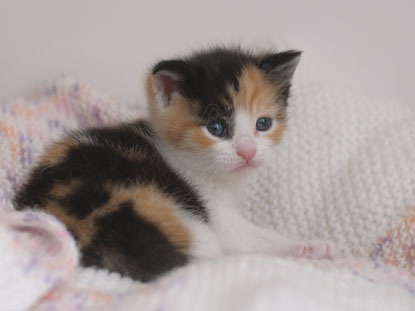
column 216, row 129
column 263, row 123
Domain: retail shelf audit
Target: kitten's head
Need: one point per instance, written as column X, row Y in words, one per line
column 221, row 111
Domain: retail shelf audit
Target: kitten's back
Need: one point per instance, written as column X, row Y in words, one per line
column 118, row 198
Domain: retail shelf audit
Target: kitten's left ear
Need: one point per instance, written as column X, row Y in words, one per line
column 281, row 66
column 166, row 79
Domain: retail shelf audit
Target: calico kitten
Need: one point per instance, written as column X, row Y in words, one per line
column 145, row 197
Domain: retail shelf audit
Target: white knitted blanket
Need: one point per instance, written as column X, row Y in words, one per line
column 345, row 171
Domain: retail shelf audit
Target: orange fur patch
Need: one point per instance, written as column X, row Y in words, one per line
column 60, row 190
column 58, row 151
column 180, row 129
column 84, row 229
column 151, row 204
column 176, row 122
column 276, row 134
column 151, row 97
column 256, row 95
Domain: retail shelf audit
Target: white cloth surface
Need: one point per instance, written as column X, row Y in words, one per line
column 344, row 171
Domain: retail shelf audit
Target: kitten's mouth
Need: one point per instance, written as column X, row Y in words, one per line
column 245, row 166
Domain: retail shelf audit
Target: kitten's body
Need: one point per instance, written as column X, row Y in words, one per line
column 145, row 197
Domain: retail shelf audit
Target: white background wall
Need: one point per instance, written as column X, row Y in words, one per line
column 367, row 45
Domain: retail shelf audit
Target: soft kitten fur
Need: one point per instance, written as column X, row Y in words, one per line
column 142, row 198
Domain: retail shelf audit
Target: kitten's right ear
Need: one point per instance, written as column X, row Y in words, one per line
column 166, row 79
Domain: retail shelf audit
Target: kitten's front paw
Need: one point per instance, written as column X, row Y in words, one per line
column 315, row 250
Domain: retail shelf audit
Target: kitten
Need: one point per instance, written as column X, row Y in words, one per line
column 145, row 197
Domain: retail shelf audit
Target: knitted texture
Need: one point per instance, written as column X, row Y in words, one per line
column 253, row 283
column 27, row 125
column 397, row 247
column 37, row 254
column 343, row 172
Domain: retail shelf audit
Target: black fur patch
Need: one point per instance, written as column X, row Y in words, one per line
column 85, row 200
column 99, row 162
column 124, row 136
column 134, row 246
column 35, row 190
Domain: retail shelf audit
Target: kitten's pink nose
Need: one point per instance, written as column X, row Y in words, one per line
column 245, row 148
column 247, row 154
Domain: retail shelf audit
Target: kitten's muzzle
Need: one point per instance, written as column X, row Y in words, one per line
column 245, row 147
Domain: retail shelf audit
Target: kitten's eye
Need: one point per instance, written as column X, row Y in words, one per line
column 216, row 129
column 263, row 123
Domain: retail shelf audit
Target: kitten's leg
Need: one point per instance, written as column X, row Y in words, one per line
column 238, row 235
column 205, row 243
